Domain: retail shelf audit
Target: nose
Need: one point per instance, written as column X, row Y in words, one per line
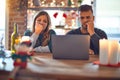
column 43, row 21
column 40, row 22
column 85, row 20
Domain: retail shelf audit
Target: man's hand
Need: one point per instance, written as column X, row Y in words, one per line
column 90, row 28
column 91, row 52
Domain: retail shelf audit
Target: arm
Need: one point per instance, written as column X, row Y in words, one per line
column 52, row 32
column 94, row 41
column 39, row 48
column 35, row 35
column 27, row 33
column 47, row 48
column 95, row 34
column 34, row 38
column 42, row 49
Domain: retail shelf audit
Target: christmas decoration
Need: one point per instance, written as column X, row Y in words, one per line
column 23, row 52
column 64, row 15
column 55, row 15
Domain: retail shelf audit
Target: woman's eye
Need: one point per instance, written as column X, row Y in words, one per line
column 45, row 21
column 38, row 21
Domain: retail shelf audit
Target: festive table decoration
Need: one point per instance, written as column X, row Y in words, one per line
column 23, row 52
column 109, row 53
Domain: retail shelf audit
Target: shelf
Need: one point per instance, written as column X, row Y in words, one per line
column 54, row 8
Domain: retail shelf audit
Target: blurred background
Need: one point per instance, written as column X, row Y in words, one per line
column 107, row 16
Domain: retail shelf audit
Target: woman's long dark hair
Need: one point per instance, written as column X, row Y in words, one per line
column 46, row 35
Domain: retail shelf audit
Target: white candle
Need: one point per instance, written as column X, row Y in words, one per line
column 103, row 47
column 113, row 52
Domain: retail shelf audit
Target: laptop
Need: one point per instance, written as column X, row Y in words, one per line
column 75, row 47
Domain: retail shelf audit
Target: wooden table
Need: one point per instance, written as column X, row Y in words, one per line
column 44, row 67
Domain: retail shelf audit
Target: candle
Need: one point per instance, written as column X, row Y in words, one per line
column 113, row 52
column 104, row 49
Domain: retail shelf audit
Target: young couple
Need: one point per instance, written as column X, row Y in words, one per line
column 41, row 34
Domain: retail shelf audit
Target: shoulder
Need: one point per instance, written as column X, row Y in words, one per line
column 74, row 31
column 97, row 30
column 101, row 33
column 51, row 31
column 27, row 33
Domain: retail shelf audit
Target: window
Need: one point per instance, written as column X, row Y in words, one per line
column 108, row 17
column 2, row 19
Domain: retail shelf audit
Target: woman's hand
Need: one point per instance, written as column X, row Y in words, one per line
column 38, row 28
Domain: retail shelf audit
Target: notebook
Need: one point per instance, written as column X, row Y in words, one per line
column 74, row 47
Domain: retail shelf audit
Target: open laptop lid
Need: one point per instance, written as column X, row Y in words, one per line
column 70, row 47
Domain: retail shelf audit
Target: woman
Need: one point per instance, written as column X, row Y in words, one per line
column 41, row 33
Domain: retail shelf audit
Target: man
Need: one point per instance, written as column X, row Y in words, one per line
column 86, row 18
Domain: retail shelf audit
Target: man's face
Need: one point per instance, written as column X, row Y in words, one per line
column 86, row 16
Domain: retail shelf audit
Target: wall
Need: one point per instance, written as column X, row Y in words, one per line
column 16, row 15
column 17, row 12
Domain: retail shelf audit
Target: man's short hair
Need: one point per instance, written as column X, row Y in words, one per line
column 85, row 7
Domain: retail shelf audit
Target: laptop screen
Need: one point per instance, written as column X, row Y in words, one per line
column 70, row 46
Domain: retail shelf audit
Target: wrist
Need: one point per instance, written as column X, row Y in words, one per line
column 37, row 33
column 92, row 33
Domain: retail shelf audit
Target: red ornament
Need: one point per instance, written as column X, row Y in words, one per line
column 55, row 15
column 64, row 15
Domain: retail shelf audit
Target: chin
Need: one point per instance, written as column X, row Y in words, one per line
column 84, row 27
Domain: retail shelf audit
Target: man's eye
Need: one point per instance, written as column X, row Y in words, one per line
column 81, row 17
column 88, row 17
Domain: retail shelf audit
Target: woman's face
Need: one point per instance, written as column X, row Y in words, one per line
column 43, row 21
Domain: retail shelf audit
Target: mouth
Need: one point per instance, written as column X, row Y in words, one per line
column 84, row 27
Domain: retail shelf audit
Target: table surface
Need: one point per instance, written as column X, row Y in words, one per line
column 44, row 67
